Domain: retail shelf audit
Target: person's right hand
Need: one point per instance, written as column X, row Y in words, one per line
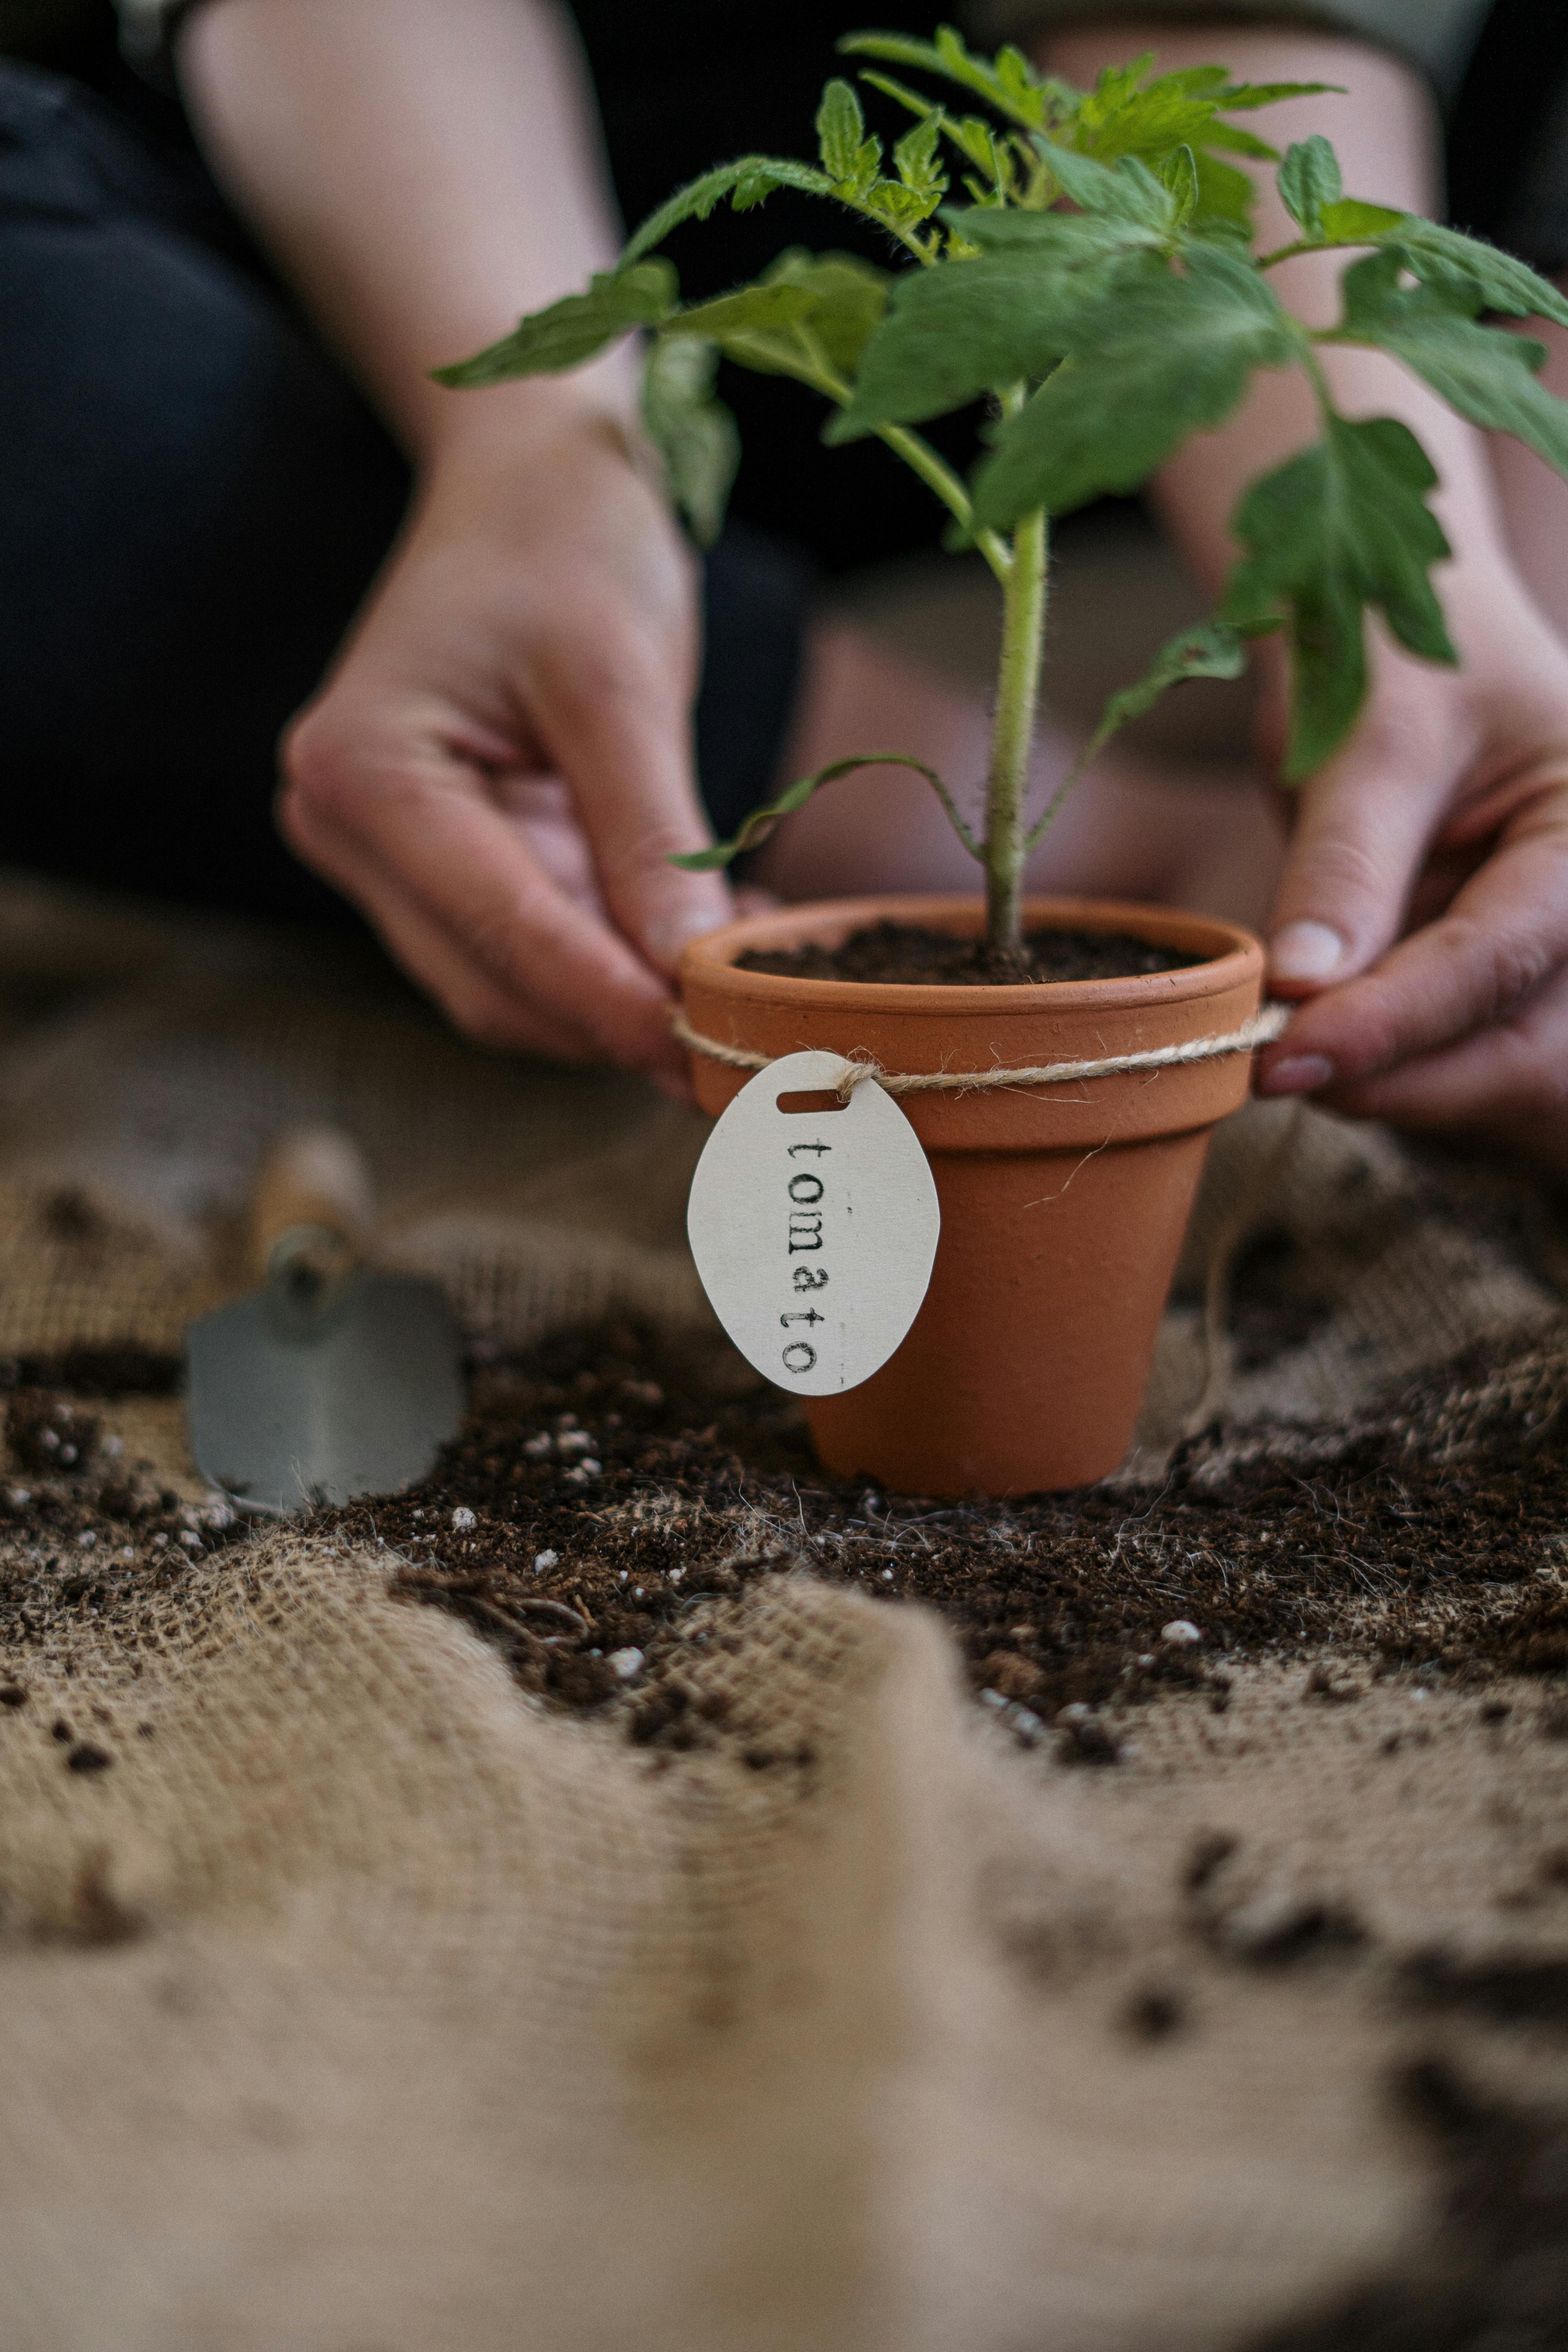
column 499, row 765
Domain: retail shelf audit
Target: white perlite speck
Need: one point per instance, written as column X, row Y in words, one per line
column 1181, row 1632
column 543, row 1559
column 463, row 1518
column 626, row 1662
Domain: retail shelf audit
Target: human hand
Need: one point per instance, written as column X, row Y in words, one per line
column 1423, row 916
column 499, row 764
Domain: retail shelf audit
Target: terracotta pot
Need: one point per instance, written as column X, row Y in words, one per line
column 1062, row 1208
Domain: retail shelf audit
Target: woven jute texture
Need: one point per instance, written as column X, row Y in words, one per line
column 366, row 2005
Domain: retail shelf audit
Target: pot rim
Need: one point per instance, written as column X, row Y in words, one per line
column 708, row 961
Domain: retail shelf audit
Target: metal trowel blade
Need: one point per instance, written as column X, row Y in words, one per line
column 289, row 1408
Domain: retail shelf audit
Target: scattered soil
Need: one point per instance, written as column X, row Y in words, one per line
column 609, row 1482
column 629, row 1478
column 903, row 951
column 1494, row 2276
column 94, row 1372
column 611, row 1486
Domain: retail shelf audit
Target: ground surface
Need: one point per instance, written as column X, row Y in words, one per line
column 612, row 1487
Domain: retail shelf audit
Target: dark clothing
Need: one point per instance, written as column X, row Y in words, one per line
column 1508, row 147
column 193, row 502
column 194, row 498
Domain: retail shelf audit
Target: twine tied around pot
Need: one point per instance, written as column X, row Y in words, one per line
column 1269, row 1022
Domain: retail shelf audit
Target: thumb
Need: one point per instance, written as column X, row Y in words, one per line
column 1360, row 834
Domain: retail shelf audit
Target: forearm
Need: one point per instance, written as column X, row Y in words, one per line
column 1386, row 133
column 424, row 172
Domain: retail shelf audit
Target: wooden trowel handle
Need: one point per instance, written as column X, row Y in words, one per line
column 314, row 1185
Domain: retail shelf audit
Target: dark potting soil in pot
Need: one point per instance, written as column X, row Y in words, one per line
column 907, row 952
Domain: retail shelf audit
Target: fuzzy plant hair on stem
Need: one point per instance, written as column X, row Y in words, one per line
column 1083, row 263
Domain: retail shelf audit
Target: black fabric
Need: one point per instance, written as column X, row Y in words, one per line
column 1507, row 154
column 193, row 502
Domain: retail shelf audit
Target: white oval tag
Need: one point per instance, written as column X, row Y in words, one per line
column 814, row 1232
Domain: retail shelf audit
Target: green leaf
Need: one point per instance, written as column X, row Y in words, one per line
column 749, row 311
column 1489, row 280
column 972, row 137
column 573, row 328
column 694, row 434
column 902, row 93
column 1309, row 179
column 747, row 182
column 1199, row 81
column 1211, row 649
column 914, row 159
column 809, row 309
column 1177, row 110
column 896, row 206
column 1114, row 87
column 955, row 332
column 762, row 821
column 850, row 159
column 1179, row 177
column 1488, row 375
column 1242, row 97
column 1127, row 191
column 1017, row 78
column 1233, row 140
column 975, row 138
column 840, row 130
column 753, row 188
column 1476, row 275
column 1167, row 357
column 1225, row 198
column 1351, row 222
column 1147, row 123
column 1010, row 85
column 1343, row 526
column 1058, row 239
column 850, row 300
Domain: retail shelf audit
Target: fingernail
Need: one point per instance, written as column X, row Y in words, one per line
column 1305, row 951
column 1302, row 1073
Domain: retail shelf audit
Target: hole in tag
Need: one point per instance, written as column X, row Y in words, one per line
column 817, row 1099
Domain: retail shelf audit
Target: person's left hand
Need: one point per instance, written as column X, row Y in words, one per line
column 1423, row 916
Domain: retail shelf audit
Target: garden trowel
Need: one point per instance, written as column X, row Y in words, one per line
column 333, row 1380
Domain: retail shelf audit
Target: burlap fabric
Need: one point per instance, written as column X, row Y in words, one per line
column 367, row 2006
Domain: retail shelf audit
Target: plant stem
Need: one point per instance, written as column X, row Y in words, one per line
column 1012, row 734
column 922, row 459
column 916, row 454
